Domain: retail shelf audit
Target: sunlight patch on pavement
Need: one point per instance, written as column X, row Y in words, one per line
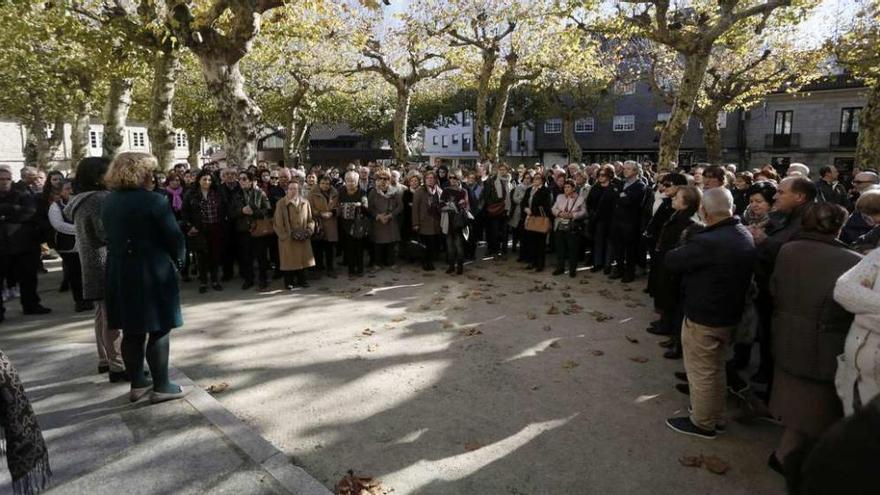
column 533, row 351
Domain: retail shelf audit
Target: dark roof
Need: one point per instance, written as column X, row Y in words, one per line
column 837, row 81
column 326, row 132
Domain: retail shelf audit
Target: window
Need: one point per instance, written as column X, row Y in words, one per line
column 625, row 88
column 585, row 125
column 137, row 139
column 553, row 126
column 96, row 139
column 782, row 127
column 455, row 139
column 181, row 139
column 465, row 142
column 435, row 140
column 444, row 141
column 663, row 117
column 465, row 118
column 624, row 123
column 849, row 120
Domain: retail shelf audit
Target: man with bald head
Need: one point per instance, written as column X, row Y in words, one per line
column 857, row 224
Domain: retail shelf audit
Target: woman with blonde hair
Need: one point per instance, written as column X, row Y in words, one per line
column 294, row 226
column 145, row 250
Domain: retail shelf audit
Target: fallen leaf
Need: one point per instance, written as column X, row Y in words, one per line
column 369, row 294
column 217, row 388
column 715, row 465
column 535, row 387
column 584, row 281
column 555, row 344
column 470, row 332
column 425, row 307
column 639, row 359
column 458, row 307
column 448, row 324
column 372, row 347
column 566, row 294
column 398, row 319
column 570, row 364
column 552, row 310
column 597, row 352
column 368, row 332
column 531, row 316
column 691, row 461
column 632, row 340
column 472, row 446
column 547, row 328
column 359, row 485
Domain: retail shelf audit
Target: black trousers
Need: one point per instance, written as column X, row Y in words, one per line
column 354, row 255
column 22, row 267
column 384, row 253
column 252, row 249
column 229, row 253
column 432, row 247
column 535, row 248
column 324, row 255
column 567, row 249
column 455, row 247
column 626, row 249
column 73, row 272
column 496, row 234
column 207, row 264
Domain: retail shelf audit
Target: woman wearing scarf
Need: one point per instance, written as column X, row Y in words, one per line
column 385, row 208
column 248, row 205
column 324, row 200
column 426, row 218
column 536, row 203
column 202, row 215
column 454, row 222
column 515, row 224
column 352, row 211
column 498, row 207
column 174, row 191
column 569, row 211
column 294, row 226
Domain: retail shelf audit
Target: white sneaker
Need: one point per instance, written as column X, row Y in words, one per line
column 14, row 293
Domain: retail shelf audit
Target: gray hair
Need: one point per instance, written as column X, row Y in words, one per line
column 718, row 202
column 353, row 174
column 798, row 168
column 636, row 165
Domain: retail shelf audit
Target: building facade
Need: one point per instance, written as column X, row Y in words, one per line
column 333, row 145
column 451, row 142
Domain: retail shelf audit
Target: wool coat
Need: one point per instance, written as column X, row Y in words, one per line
column 322, row 204
column 85, row 211
column 145, row 249
column 289, row 218
column 426, row 211
column 253, row 197
column 392, row 202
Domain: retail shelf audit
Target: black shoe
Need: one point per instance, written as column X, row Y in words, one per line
column 459, row 269
column 119, row 376
column 558, row 271
column 263, row 286
column 737, row 386
column 217, row 287
column 774, row 464
column 657, row 331
column 530, row 267
column 681, row 375
column 539, row 269
column 655, row 323
column 672, row 354
column 450, row 269
column 667, row 344
column 573, row 274
column 203, row 289
column 247, row 285
column 607, row 270
column 596, row 268
column 290, row 287
column 683, row 388
column 627, row 279
column 686, row 426
column 64, row 287
column 615, row 275
column 83, row 306
column 36, row 310
column 103, row 368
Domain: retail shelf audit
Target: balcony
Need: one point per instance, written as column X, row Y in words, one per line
column 782, row 140
column 844, row 139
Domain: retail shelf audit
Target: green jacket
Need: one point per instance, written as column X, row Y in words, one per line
column 253, row 197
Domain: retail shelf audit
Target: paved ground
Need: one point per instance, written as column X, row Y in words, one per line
column 451, row 385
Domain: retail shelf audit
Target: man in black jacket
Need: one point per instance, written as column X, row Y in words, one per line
column 20, row 243
column 829, row 190
column 716, row 266
column 228, row 189
column 626, row 222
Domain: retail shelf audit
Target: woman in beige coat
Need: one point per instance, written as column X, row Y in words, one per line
column 294, row 226
column 426, row 218
column 324, row 200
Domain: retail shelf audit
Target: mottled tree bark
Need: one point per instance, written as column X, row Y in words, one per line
column 708, row 118
column 483, row 94
column 79, row 134
column 41, row 145
column 868, row 148
column 115, row 116
column 676, row 126
column 502, row 96
column 239, row 114
column 161, row 127
column 400, row 147
column 194, row 148
column 575, row 152
column 294, row 140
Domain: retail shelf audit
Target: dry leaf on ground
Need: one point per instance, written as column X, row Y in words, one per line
column 368, row 332
column 691, row 461
column 425, row 307
column 715, row 465
column 566, row 294
column 359, row 485
column 547, row 328
column 470, row 332
column 217, row 388
column 398, row 319
column 597, row 352
column 631, row 340
column 448, row 324
column 555, row 344
column 472, row 446
column 570, row 364
column 639, row 359
column 552, row 310
column 372, row 347
column 531, row 316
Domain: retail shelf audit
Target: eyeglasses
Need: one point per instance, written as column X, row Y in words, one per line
column 382, row 178
column 273, row 178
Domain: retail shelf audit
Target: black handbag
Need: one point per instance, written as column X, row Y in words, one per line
column 359, row 228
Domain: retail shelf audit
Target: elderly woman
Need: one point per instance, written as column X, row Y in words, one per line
column 85, row 211
column 385, row 206
column 426, row 218
column 145, row 247
column 354, row 223
column 569, row 210
column 536, row 205
column 455, row 211
column 324, row 201
column 741, row 185
column 600, row 208
column 809, row 328
column 65, row 245
column 250, row 210
column 413, row 182
column 294, row 226
column 516, row 220
column 202, row 214
column 858, row 291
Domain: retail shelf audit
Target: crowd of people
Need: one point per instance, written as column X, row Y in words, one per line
column 747, row 269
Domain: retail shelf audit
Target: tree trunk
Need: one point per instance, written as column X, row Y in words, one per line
column 194, row 148
column 711, row 134
column 480, row 117
column 41, row 145
column 401, row 117
column 294, row 152
column 500, row 109
column 676, row 126
column 575, row 152
column 239, row 114
column 116, row 113
column 79, row 134
column 161, row 128
column 868, row 149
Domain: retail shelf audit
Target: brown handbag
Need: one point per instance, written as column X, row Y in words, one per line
column 538, row 224
column 261, row 227
column 495, row 209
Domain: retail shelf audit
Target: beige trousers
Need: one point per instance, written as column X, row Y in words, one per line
column 109, row 341
column 705, row 349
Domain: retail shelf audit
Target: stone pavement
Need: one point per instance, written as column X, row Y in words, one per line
column 100, row 443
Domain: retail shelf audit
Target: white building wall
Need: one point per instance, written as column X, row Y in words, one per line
column 521, row 146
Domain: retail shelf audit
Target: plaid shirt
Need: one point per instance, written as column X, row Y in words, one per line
column 210, row 209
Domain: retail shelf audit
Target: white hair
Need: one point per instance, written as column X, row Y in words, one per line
column 718, row 202
column 798, row 168
column 353, row 174
column 634, row 164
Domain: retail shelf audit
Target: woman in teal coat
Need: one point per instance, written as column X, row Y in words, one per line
column 145, row 249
